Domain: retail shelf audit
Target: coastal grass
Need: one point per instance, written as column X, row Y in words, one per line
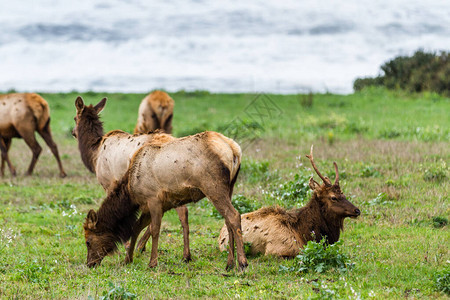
column 392, row 149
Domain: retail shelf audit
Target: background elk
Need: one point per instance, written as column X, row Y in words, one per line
column 109, row 156
column 161, row 177
column 20, row 116
column 155, row 112
column 273, row 230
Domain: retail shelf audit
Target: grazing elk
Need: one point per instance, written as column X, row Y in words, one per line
column 155, row 112
column 109, row 155
column 273, row 230
column 161, row 177
column 20, row 116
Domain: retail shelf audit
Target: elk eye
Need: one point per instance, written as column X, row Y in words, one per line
column 88, row 243
column 334, row 198
column 154, row 116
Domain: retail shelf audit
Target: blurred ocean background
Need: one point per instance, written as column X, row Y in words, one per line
column 220, row 46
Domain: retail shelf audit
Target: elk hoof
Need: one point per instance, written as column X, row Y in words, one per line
column 187, row 258
column 153, row 264
column 128, row 260
column 62, row 175
column 243, row 266
column 229, row 267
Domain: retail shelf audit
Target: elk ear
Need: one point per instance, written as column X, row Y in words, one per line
column 313, row 184
column 79, row 104
column 100, row 106
column 91, row 219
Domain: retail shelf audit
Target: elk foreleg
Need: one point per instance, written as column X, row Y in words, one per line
column 30, row 139
column 184, row 219
column 141, row 223
column 156, row 213
column 5, row 144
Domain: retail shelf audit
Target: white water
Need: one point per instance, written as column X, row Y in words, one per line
column 233, row 46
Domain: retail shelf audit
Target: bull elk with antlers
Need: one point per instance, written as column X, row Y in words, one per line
column 20, row 116
column 273, row 230
column 109, row 155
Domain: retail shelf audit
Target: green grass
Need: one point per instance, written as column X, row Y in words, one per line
column 392, row 150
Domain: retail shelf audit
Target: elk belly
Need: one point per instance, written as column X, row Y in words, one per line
column 265, row 235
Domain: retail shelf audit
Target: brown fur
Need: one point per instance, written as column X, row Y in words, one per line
column 161, row 177
column 20, row 116
column 273, row 230
column 109, row 155
column 155, row 112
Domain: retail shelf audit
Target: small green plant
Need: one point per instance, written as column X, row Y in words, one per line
column 255, row 171
column 380, row 199
column 292, row 193
column 117, row 292
column 241, row 203
column 442, row 280
column 439, row 222
column 437, row 173
column 369, row 171
column 320, row 257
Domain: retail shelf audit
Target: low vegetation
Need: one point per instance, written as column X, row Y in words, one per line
column 392, row 149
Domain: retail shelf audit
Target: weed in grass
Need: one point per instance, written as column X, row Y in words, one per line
column 293, row 193
column 438, row 172
column 439, row 222
column 116, row 292
column 256, row 172
column 320, row 257
column 442, row 280
column 369, row 171
column 380, row 199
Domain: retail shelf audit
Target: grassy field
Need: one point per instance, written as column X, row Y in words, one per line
column 393, row 152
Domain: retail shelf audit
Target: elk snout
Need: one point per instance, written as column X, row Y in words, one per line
column 356, row 213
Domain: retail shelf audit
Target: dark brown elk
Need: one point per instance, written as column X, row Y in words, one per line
column 20, row 116
column 155, row 112
column 273, row 230
column 109, row 155
column 161, row 177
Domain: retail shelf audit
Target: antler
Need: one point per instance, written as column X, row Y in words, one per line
column 336, row 181
column 326, row 180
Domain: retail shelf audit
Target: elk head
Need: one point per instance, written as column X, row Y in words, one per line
column 98, row 243
column 81, row 108
column 330, row 195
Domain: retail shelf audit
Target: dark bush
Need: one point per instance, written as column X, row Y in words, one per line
column 421, row 72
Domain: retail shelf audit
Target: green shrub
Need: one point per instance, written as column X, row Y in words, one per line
column 418, row 73
column 380, row 199
column 255, row 171
column 369, row 171
column 116, row 292
column 439, row 222
column 319, row 257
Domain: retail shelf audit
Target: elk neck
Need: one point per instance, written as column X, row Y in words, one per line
column 118, row 214
column 90, row 133
column 315, row 217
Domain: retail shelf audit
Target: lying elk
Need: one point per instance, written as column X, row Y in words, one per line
column 161, row 177
column 155, row 112
column 109, row 156
column 20, row 116
column 273, row 230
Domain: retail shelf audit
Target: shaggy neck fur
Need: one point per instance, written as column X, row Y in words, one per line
column 314, row 217
column 117, row 214
column 90, row 133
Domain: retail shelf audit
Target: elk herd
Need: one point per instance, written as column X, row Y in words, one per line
column 150, row 172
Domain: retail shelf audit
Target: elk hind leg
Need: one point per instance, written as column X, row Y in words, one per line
column 156, row 214
column 47, row 136
column 222, row 202
column 30, row 140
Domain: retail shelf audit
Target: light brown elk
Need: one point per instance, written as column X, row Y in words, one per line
column 155, row 112
column 20, row 116
column 109, row 155
column 273, row 230
column 161, row 177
